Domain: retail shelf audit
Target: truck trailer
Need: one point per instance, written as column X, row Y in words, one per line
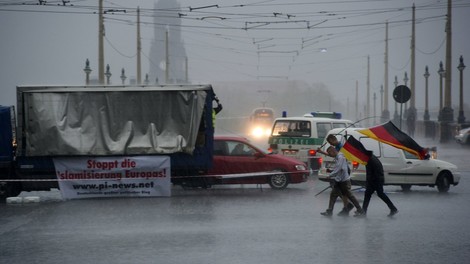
column 101, row 121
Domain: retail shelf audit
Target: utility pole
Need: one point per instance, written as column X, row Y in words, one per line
column 413, row 61
column 368, row 88
column 411, row 114
column 385, row 111
column 447, row 115
column 139, row 48
column 100, row 43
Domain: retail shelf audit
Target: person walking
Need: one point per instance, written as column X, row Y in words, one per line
column 333, row 141
column 341, row 183
column 374, row 183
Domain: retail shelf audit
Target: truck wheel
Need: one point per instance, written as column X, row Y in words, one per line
column 443, row 182
column 406, row 187
column 278, row 181
column 9, row 189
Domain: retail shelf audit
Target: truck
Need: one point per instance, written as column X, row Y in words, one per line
column 104, row 121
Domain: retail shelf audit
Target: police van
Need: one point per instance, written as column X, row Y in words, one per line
column 300, row 137
column 401, row 168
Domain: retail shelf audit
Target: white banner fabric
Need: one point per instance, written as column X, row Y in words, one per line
column 86, row 177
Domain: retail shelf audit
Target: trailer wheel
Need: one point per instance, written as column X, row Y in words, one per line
column 406, row 187
column 279, row 180
column 9, row 189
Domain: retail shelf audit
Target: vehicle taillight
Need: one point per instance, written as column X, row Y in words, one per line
column 355, row 164
column 272, row 148
column 312, row 152
column 320, row 161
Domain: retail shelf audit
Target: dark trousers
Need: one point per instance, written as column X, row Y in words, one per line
column 345, row 188
column 376, row 187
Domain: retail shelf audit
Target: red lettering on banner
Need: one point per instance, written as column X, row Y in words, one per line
column 103, row 165
column 128, row 163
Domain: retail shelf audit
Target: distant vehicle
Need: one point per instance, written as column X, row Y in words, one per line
column 300, row 137
column 463, row 137
column 237, row 161
column 400, row 167
column 261, row 121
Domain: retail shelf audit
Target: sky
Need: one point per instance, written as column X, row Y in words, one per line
column 314, row 41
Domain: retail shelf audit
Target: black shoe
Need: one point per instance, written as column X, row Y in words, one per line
column 360, row 213
column 327, row 213
column 393, row 212
column 344, row 212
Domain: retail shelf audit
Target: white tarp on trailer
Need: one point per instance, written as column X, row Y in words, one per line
column 111, row 120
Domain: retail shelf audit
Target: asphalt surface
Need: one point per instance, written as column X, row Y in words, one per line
column 243, row 224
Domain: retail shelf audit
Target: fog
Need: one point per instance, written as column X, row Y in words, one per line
column 297, row 56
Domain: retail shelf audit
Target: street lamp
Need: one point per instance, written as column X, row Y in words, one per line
column 441, row 73
column 123, row 76
column 146, row 81
column 375, row 113
column 381, row 98
column 87, row 71
column 426, row 106
column 461, row 67
column 107, row 74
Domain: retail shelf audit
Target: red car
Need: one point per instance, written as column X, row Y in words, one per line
column 236, row 161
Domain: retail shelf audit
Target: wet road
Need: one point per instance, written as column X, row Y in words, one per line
column 243, row 224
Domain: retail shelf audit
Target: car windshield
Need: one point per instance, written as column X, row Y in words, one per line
column 292, row 128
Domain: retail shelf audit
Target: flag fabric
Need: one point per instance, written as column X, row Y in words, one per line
column 389, row 134
column 354, row 150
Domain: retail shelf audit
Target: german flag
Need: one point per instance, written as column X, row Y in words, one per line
column 353, row 150
column 389, row 134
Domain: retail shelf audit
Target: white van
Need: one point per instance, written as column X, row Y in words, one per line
column 400, row 167
column 300, row 137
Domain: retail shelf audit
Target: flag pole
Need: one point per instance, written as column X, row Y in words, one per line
column 365, row 118
column 329, row 186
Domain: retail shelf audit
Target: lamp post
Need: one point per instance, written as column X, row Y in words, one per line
column 428, row 131
column 87, row 71
column 426, row 96
column 146, row 81
column 382, row 102
column 375, row 112
column 441, row 73
column 123, row 76
column 461, row 67
column 107, row 74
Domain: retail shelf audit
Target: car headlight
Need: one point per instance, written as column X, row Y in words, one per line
column 257, row 132
column 300, row 167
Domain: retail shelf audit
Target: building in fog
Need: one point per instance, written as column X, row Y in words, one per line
column 166, row 18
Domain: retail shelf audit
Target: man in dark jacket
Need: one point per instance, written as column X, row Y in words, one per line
column 375, row 182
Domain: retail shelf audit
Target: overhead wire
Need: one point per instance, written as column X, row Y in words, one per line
column 229, row 23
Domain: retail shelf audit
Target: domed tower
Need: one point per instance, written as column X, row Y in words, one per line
column 166, row 18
